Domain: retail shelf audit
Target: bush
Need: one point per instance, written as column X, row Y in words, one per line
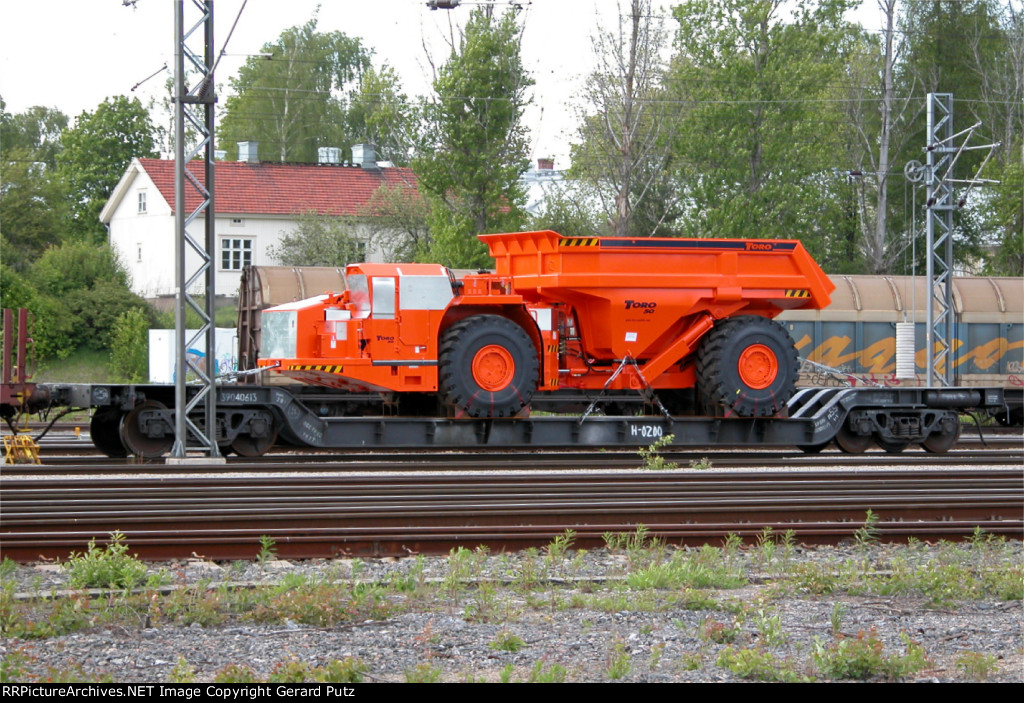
column 77, row 265
column 96, row 310
column 15, row 290
column 108, row 567
column 129, row 347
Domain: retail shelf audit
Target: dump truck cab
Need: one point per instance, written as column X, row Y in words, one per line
column 382, row 329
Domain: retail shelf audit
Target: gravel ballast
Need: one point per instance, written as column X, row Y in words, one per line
column 537, row 616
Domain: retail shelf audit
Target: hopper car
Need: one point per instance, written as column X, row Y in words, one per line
column 623, row 341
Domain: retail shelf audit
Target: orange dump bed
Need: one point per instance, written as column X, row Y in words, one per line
column 631, row 296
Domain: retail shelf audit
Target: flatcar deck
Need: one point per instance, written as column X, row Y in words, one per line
column 252, row 419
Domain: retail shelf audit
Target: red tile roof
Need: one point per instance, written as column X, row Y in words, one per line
column 281, row 189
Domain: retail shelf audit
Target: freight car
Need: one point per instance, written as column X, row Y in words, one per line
column 363, row 407
column 853, row 341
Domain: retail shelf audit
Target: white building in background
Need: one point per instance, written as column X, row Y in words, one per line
column 255, row 203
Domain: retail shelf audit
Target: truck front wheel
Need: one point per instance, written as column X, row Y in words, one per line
column 487, row 367
column 747, row 364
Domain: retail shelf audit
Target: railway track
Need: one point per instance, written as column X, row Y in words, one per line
column 1011, row 453
column 221, row 517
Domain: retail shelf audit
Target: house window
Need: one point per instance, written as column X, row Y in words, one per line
column 237, row 222
column 138, row 253
column 142, row 202
column 235, row 253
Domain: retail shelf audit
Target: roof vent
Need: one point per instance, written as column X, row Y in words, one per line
column 328, row 155
column 365, row 156
column 248, row 152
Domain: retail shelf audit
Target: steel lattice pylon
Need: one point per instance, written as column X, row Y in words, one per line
column 194, row 104
column 939, row 228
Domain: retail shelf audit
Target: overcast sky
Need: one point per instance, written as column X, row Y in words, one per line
column 71, row 54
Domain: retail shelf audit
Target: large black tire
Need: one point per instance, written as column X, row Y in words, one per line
column 487, row 368
column 748, row 365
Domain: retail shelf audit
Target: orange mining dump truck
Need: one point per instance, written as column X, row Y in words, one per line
column 559, row 314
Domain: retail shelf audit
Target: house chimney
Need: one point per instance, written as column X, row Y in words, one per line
column 248, row 152
column 545, row 164
column 365, row 156
column 328, row 155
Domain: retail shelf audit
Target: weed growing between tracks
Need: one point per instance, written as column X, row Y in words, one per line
column 723, row 612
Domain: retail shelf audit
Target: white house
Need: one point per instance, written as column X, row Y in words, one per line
column 255, row 204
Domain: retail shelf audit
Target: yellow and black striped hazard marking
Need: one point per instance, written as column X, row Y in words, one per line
column 552, row 348
column 580, row 242
column 798, row 294
column 304, row 367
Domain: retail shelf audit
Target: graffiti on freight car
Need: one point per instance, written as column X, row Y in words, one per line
column 880, row 357
column 814, row 374
column 886, row 381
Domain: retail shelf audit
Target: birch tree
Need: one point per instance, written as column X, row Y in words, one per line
column 623, row 147
column 293, row 97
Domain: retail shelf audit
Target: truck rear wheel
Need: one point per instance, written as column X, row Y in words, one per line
column 487, row 367
column 748, row 365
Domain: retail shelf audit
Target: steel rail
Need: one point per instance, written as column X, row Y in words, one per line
column 225, row 518
column 550, row 460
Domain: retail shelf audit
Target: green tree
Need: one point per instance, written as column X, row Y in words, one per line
column 293, row 98
column 37, row 130
column 757, row 145
column 1004, row 214
column 15, row 289
column 381, row 114
column 474, row 146
column 320, row 240
column 877, row 116
column 567, row 209
column 974, row 50
column 624, row 141
column 94, row 155
column 33, row 208
column 32, row 200
column 395, row 219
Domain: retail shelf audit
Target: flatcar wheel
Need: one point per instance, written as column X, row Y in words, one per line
column 105, row 432
column 852, row 443
column 812, row 448
column 893, row 446
column 138, row 442
column 942, row 442
column 251, row 447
